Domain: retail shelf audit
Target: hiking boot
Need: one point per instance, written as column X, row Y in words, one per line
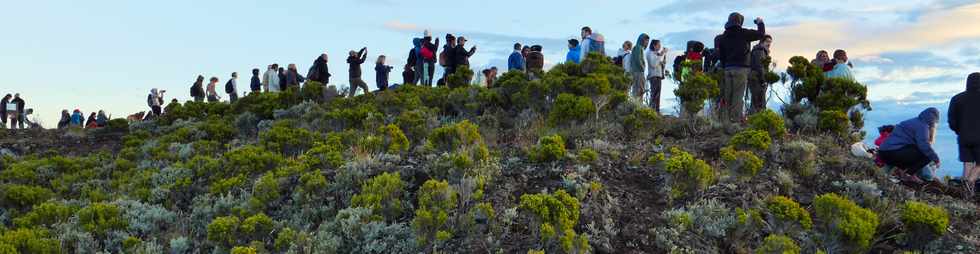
column 913, row 179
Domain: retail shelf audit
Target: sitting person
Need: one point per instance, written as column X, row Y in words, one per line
column 102, row 120
column 909, row 147
column 842, row 68
column 65, row 119
column 90, row 123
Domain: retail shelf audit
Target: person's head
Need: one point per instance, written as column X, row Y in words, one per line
column 282, row 70
column 930, row 116
column 840, row 56
column 101, row 112
column 78, row 111
column 450, row 40
column 7, row 96
column 92, row 114
column 525, row 50
column 255, row 72
column 766, row 41
column 586, row 31
column 200, row 79
column 572, row 43
column 537, row 48
column 324, row 57
column 461, row 41
column 154, row 91
column 352, row 53
column 275, row 66
column 292, row 67
column 973, row 82
column 823, row 56
column 655, row 45
column 214, row 79
column 643, row 40
column 427, row 35
column 64, row 111
column 17, row 95
column 517, row 46
column 381, row 59
column 627, row 45
column 234, row 75
column 734, row 20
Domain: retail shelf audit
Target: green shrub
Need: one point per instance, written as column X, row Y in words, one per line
column 382, row 194
column 921, row 217
column 694, row 91
column 784, row 209
column 312, row 182
column 806, row 79
column 834, row 121
column 569, row 109
column 259, row 224
column 249, row 160
column 266, row 189
column 285, row 238
column 415, row 124
column 549, row 148
column 243, row 250
column 464, row 144
column 744, row 163
column 118, row 124
column 25, row 240
column 436, row 201
column 394, row 139
column 313, row 91
column 644, row 123
column 23, row 196
column 327, row 154
column 223, row 231
column 842, row 216
column 587, row 155
column 778, row 244
column 556, row 216
column 100, row 218
column 222, row 186
column 801, row 156
column 287, row 139
column 45, row 214
column 688, row 174
column 840, row 94
column 769, row 121
column 751, row 140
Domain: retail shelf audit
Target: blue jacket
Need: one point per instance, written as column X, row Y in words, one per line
column 574, row 55
column 515, row 62
column 77, row 118
column 915, row 132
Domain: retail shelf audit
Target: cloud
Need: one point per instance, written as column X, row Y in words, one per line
column 401, row 26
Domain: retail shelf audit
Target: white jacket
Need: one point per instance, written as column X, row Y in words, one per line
column 272, row 77
column 655, row 64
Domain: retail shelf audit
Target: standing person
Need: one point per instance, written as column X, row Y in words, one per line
column 77, row 118
column 733, row 48
column 535, row 60
column 516, row 59
column 637, row 65
column 408, row 75
column 964, row 120
column 415, row 59
column 429, row 50
column 256, row 84
column 155, row 101
column 101, row 120
column 355, row 60
column 909, row 147
column 272, row 78
column 842, row 67
column 656, row 60
column 524, row 52
column 622, row 56
column 591, row 42
column 212, row 93
column 197, row 89
column 90, row 123
column 320, row 72
column 3, row 110
column 492, row 78
column 461, row 57
column 65, row 119
column 381, row 73
column 20, row 116
column 293, row 78
column 282, row 79
column 447, row 59
column 574, row 52
column 757, row 76
column 231, row 87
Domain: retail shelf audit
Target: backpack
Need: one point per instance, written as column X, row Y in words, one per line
column 444, row 58
column 427, row 53
column 228, row 87
column 149, row 100
column 194, row 91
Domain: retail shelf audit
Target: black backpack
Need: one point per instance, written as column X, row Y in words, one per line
column 228, row 87
column 149, row 100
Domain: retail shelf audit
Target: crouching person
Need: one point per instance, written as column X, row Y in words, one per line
column 909, row 147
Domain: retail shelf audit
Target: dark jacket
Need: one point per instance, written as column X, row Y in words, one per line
column 20, row 104
column 734, row 44
column 197, row 90
column 412, row 57
column 461, row 56
column 256, row 84
column 355, row 62
column 293, row 79
column 964, row 112
column 319, row 72
column 759, row 55
column 283, row 83
column 915, row 132
column 535, row 61
column 381, row 72
column 450, row 52
column 408, row 76
column 91, row 121
column 3, row 107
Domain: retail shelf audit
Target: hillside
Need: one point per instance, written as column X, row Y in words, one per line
column 562, row 164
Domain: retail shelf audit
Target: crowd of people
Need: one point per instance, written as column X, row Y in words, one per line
column 78, row 119
column 12, row 110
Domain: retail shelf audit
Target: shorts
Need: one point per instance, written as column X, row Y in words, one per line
column 969, row 152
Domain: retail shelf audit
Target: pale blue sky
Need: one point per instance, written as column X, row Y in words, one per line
column 107, row 54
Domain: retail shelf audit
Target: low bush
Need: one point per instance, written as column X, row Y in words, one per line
column 118, row 124
column 694, row 91
column 23, row 196
column 29, row 240
column 688, row 174
column 801, row 156
column 284, row 137
column 382, row 194
column 556, row 216
column 778, row 244
column 834, row 121
column 751, row 140
column 223, row 231
column 922, row 219
column 769, row 121
column 549, row 149
column 436, row 200
column 587, row 155
column 101, row 218
column 842, row 216
column 746, row 164
column 643, row 124
column 784, row 209
column 570, row 109
column 45, row 214
column 395, row 140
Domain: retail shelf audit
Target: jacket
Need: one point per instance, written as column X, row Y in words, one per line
column 256, row 84
column 733, row 45
column 841, row 70
column 434, row 47
column 272, row 77
column 415, row 55
column 101, row 120
column 915, row 132
column 381, row 72
column 636, row 63
column 655, row 64
column 964, row 112
column 293, row 79
column 319, row 72
column 3, row 107
column 461, row 56
column 759, row 55
column 355, row 62
column 77, row 118
column 515, row 61
column 20, row 104
column 574, row 55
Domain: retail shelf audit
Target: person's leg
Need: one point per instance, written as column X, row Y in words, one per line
column 757, row 91
column 353, row 88
column 726, row 94
column 656, row 84
column 740, row 78
column 638, row 84
column 432, row 72
column 363, row 85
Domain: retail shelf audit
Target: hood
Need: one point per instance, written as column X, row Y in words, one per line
column 973, row 82
column 734, row 20
column 417, row 42
column 319, row 61
column 929, row 116
column 576, row 49
column 639, row 41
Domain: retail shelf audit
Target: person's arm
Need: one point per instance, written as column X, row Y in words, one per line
column 953, row 116
column 362, row 54
column 472, row 51
column 758, row 34
column 922, row 142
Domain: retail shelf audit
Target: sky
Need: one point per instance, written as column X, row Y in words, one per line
column 108, row 54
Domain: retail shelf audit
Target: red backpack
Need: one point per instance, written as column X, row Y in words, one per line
column 427, row 53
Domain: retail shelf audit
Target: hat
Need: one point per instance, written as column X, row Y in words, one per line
column 427, row 33
column 461, row 38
